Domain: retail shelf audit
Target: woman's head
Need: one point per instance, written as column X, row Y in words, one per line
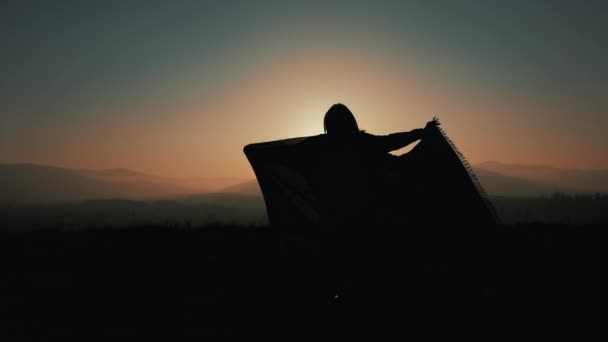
column 339, row 120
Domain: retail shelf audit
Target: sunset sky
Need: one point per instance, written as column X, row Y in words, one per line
column 177, row 88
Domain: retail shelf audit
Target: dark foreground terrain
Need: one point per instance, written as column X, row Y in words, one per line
column 238, row 282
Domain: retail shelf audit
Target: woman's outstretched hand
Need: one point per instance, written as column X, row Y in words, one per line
column 433, row 123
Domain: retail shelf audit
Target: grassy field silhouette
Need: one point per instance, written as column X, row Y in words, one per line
column 225, row 282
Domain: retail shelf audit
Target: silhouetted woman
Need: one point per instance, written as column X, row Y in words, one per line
column 345, row 185
column 345, row 167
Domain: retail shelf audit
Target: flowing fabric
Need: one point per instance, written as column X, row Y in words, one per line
column 433, row 184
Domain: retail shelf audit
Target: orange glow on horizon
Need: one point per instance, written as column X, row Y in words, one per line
column 204, row 136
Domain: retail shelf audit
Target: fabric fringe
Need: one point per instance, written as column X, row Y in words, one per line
column 469, row 169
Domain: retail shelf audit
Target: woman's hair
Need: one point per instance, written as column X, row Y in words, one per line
column 340, row 120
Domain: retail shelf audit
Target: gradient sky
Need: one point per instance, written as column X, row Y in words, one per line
column 177, row 88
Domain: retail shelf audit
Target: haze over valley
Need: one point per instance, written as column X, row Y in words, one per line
column 37, row 197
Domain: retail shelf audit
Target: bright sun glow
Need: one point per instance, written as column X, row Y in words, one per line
column 307, row 120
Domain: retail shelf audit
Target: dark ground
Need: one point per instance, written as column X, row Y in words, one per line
column 236, row 282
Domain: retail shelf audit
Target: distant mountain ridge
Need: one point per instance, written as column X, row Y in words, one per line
column 32, row 183
column 38, row 183
column 120, row 175
column 559, row 179
column 249, row 188
column 501, row 181
column 497, row 184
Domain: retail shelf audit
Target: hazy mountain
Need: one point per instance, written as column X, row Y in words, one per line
column 23, row 183
column 497, row 184
column 208, row 185
column 123, row 175
column 571, row 180
column 249, row 188
column 494, row 183
column 36, row 183
column 195, row 185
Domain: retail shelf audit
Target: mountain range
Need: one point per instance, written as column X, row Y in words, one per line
column 31, row 183
column 545, row 178
column 512, row 180
column 27, row 183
